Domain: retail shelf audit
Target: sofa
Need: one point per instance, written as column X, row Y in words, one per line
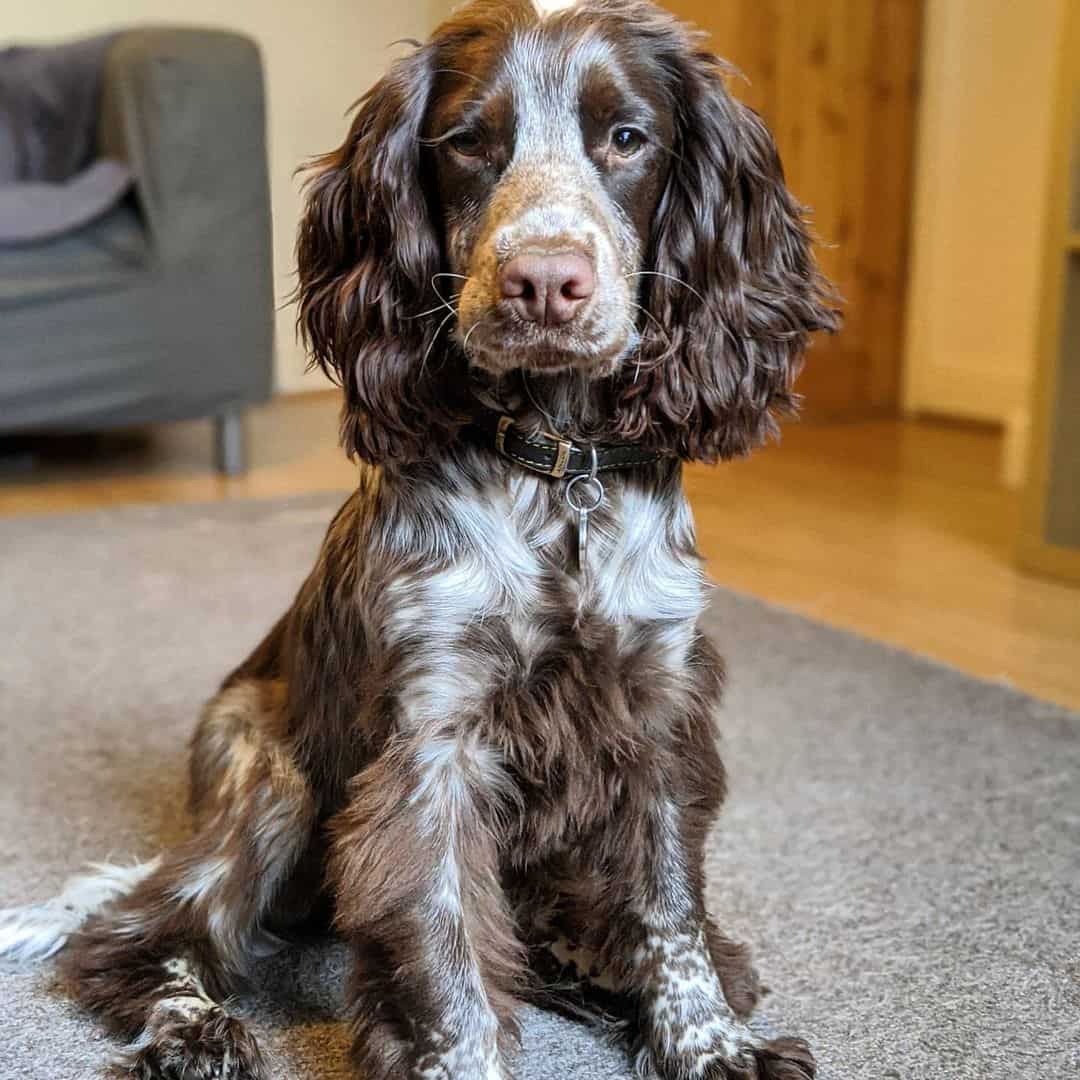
column 137, row 289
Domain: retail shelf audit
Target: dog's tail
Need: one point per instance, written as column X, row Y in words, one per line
column 38, row 931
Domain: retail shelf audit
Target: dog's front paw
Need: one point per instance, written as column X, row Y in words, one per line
column 212, row 1046
column 473, row 1057
column 729, row 1057
column 784, row 1059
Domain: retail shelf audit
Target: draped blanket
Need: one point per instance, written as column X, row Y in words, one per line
column 51, row 179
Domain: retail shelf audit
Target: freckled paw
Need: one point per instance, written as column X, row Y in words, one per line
column 777, row 1059
column 212, row 1047
column 437, row 1058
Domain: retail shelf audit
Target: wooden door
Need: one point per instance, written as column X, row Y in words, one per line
column 836, row 82
column 1050, row 528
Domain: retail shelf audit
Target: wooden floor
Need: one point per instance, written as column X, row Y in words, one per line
column 898, row 530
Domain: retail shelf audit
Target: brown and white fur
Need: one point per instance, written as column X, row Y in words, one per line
column 471, row 749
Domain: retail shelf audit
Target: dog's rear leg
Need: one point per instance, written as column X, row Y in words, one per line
column 155, row 962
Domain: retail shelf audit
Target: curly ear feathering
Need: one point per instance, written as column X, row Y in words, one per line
column 731, row 285
column 369, row 263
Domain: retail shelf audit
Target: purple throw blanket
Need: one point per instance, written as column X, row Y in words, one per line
column 50, row 179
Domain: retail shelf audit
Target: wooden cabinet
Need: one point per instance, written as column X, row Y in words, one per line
column 836, row 82
column 1050, row 533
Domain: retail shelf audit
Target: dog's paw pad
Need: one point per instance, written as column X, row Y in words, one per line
column 215, row 1046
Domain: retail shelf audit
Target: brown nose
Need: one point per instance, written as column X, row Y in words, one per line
column 547, row 289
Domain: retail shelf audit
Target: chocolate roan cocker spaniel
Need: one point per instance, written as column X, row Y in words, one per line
column 552, row 261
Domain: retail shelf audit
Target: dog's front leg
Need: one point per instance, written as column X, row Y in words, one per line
column 667, row 954
column 414, row 867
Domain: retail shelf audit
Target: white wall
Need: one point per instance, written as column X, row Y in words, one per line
column 319, row 56
column 980, row 200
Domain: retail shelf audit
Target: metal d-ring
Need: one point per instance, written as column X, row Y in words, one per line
column 579, row 506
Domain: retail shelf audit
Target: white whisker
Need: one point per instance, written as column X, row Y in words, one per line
column 435, row 289
column 434, row 338
column 446, row 305
column 669, row 277
column 465, row 343
column 656, row 322
column 637, row 348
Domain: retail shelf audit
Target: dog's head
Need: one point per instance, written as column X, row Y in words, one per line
column 572, row 190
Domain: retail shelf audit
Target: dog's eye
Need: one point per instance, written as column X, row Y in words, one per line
column 466, row 143
column 627, row 141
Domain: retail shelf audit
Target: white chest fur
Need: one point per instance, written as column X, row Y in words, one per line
column 513, row 543
column 638, row 567
column 512, row 571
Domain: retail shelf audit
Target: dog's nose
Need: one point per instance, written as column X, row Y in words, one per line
column 548, row 289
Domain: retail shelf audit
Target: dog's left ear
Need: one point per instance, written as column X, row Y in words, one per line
column 368, row 254
column 731, row 283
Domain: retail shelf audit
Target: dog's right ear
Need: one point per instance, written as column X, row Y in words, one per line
column 732, row 288
column 367, row 256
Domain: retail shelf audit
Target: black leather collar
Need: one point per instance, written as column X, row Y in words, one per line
column 551, row 455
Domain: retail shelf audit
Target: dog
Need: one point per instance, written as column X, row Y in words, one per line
column 552, row 261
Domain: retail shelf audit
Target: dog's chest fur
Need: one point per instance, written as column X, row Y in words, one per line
column 536, row 672
column 497, row 562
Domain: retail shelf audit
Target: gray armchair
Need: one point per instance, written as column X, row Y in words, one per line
column 161, row 308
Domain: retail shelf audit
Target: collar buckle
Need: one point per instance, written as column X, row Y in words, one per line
column 562, row 459
column 500, row 435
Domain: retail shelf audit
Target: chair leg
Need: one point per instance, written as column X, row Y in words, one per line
column 230, row 443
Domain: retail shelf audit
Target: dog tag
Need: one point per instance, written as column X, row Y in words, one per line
column 583, row 495
column 583, row 540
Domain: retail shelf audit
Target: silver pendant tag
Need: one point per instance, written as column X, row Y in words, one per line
column 583, row 539
column 583, row 495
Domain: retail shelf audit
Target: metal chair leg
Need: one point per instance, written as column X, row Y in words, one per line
column 231, row 443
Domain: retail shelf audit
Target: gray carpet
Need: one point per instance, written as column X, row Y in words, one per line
column 901, row 846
